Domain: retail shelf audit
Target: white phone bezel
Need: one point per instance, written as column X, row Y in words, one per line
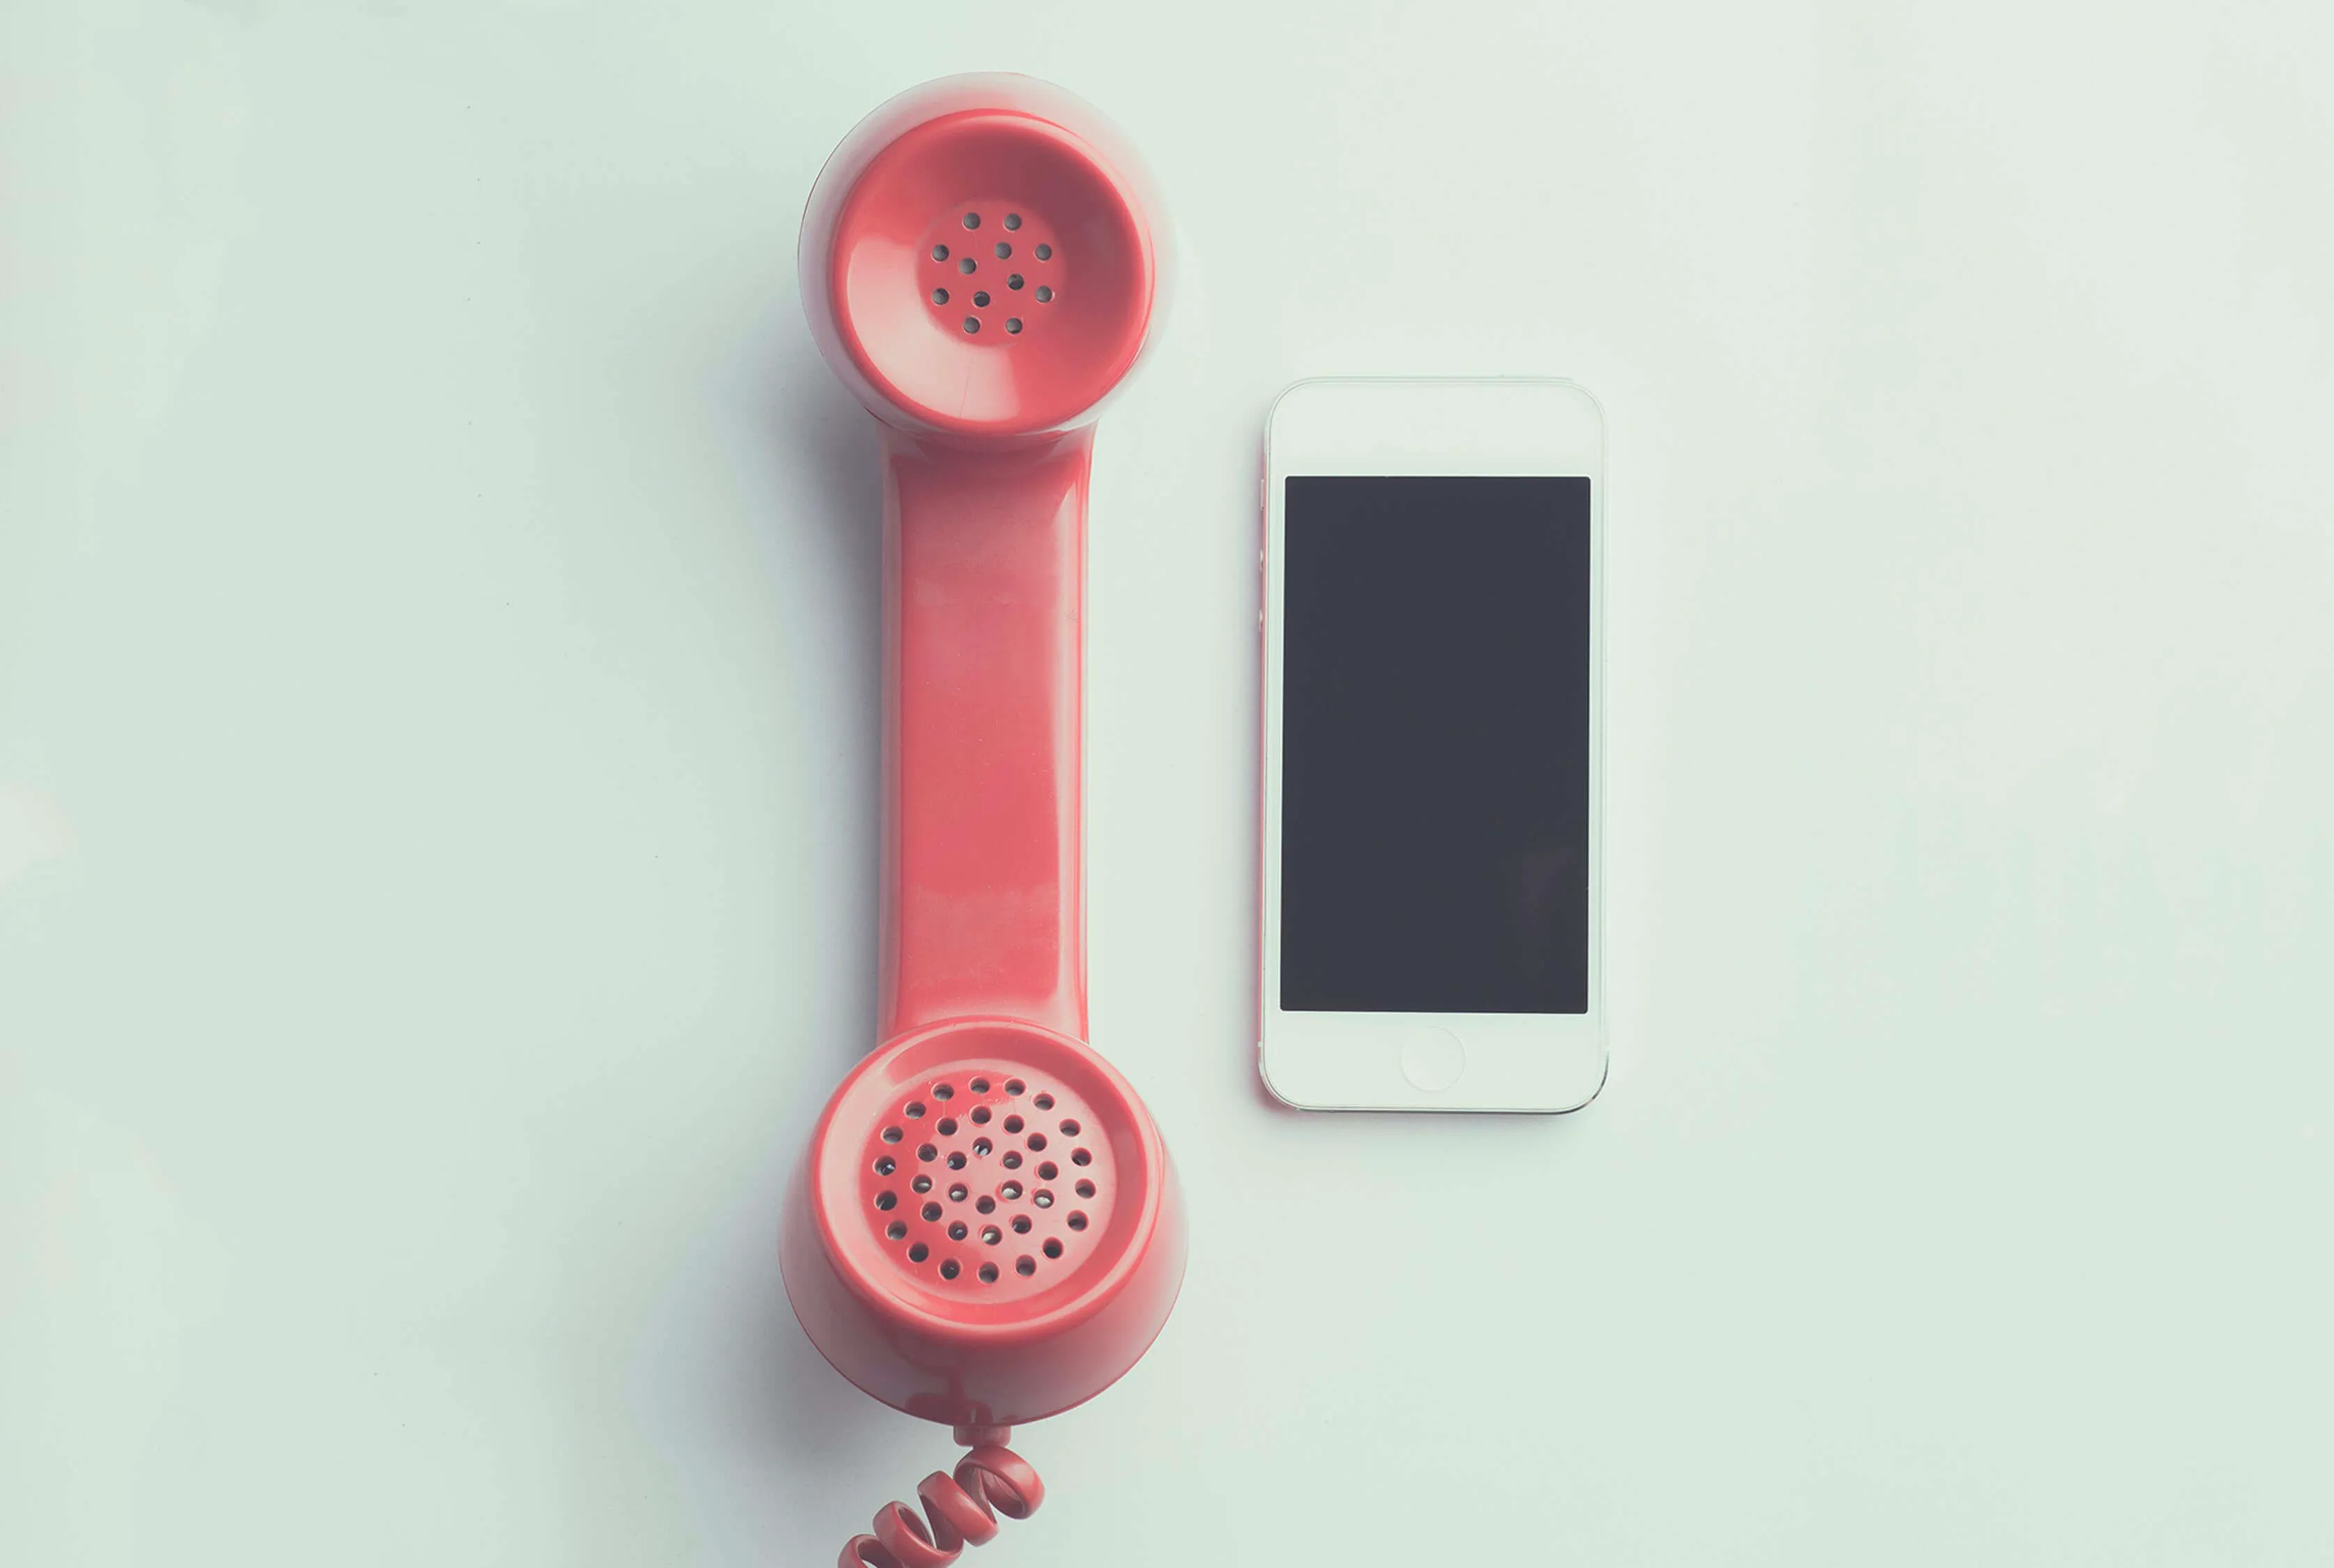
column 1357, row 1061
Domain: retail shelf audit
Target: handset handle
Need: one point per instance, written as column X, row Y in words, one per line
column 983, row 880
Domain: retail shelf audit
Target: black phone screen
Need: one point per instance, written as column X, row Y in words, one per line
column 1434, row 810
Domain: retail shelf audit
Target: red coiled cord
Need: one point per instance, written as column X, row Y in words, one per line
column 962, row 1508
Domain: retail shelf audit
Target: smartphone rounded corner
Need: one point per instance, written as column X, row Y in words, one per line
column 1280, row 1095
column 1586, row 395
column 1274, row 413
column 1604, row 1076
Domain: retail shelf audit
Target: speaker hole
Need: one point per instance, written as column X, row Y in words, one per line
column 1037, row 1142
column 940, row 296
column 1012, row 220
column 1084, row 1190
column 1012, row 1160
column 980, row 1116
column 951, row 1268
column 927, row 1151
column 1021, row 1224
column 957, row 1193
column 980, row 300
column 1047, row 1171
column 943, row 1090
column 1053, row 1247
column 915, row 1108
column 939, row 253
column 966, row 264
column 887, row 1200
column 1024, row 1267
column 1012, row 323
column 1014, row 282
column 972, row 220
column 1080, row 1157
column 981, row 1086
column 932, row 1213
column 956, row 1160
column 957, row 1230
column 919, row 1252
column 1077, row 1221
column 885, row 1165
column 970, row 325
column 988, row 1273
column 991, row 1235
column 1010, row 1192
column 946, row 1127
column 1043, row 1102
column 1045, row 253
column 1045, row 294
column 1013, row 1124
column 1003, row 250
column 1014, row 1086
column 897, row 1230
column 1041, row 1198
column 982, row 1146
column 891, row 1135
column 985, row 1204
column 1069, row 1129
column 921, row 1184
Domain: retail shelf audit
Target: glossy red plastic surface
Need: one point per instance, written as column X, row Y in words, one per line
column 966, row 165
column 984, row 585
column 991, row 274
column 985, row 1229
column 954, row 1348
column 960, row 1510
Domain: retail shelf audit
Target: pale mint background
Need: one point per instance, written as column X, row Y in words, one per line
column 436, row 659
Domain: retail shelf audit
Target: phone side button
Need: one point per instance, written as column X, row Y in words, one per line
column 1433, row 1060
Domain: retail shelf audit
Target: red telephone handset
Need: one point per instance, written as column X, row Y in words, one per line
column 985, row 1229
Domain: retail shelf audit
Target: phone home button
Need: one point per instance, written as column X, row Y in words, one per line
column 1433, row 1060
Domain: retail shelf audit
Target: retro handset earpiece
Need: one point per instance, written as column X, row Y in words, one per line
column 985, row 1229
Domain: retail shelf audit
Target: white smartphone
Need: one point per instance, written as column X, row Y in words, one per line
column 1433, row 606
